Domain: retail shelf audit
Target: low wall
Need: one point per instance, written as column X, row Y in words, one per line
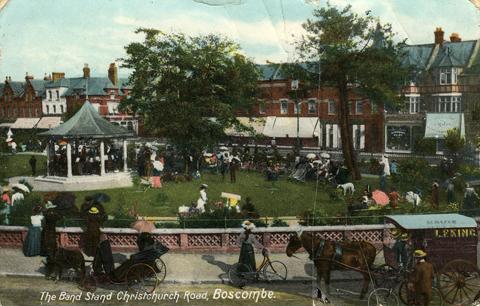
column 192, row 240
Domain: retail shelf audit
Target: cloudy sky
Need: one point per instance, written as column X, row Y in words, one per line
column 61, row 35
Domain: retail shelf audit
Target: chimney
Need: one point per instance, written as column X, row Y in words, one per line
column 455, row 37
column 86, row 71
column 113, row 74
column 438, row 36
column 57, row 75
column 28, row 77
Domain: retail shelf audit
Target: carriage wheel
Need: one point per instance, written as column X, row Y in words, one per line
column 459, row 282
column 239, row 274
column 408, row 298
column 385, row 276
column 141, row 278
column 275, row 271
column 162, row 269
column 383, row 296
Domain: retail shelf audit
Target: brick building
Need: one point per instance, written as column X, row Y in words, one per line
column 56, row 95
column 278, row 108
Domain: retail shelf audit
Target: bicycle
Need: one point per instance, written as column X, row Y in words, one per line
column 240, row 274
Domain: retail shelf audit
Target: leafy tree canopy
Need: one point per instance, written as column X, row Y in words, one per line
column 179, row 83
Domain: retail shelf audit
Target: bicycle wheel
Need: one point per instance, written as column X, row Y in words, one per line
column 383, row 297
column 141, row 278
column 275, row 271
column 239, row 274
column 406, row 296
column 162, row 270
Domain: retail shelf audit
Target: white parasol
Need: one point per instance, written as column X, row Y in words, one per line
column 158, row 165
column 223, row 148
column 325, row 155
column 21, row 187
column 9, row 133
column 311, row 155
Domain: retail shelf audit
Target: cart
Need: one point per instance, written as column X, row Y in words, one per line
column 450, row 241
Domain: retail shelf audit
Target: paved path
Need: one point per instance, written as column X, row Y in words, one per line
column 181, row 268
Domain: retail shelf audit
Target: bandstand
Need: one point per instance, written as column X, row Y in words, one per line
column 77, row 158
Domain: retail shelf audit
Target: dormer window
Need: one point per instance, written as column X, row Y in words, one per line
column 448, row 76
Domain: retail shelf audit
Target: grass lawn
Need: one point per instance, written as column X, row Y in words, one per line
column 283, row 198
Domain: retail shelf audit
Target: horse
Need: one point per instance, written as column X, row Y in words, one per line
column 66, row 259
column 329, row 255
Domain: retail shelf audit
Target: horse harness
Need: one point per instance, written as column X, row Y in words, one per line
column 337, row 255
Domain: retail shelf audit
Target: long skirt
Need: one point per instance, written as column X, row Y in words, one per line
column 156, row 183
column 247, row 257
column 32, row 245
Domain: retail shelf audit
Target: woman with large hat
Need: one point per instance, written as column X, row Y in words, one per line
column 248, row 242
column 94, row 219
column 49, row 235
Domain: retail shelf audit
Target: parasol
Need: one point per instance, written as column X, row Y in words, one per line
column 21, row 187
column 223, row 148
column 158, row 165
column 380, row 197
column 143, row 226
column 101, row 197
column 325, row 155
column 311, row 156
column 9, row 133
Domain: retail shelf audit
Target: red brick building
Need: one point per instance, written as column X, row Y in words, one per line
column 21, row 99
column 317, row 118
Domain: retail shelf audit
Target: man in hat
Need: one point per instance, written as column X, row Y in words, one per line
column 33, row 164
column 422, row 278
column 435, row 194
column 401, row 249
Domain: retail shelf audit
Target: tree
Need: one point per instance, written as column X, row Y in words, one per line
column 188, row 88
column 454, row 141
column 357, row 55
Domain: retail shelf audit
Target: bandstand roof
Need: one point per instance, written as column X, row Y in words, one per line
column 88, row 123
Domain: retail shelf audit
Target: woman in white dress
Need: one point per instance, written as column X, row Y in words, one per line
column 32, row 243
column 202, row 200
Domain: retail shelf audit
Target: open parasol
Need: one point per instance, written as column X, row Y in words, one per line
column 380, row 197
column 143, row 226
column 325, row 155
column 21, row 187
column 311, row 155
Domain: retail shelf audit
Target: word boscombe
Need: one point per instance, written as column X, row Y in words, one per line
column 253, row 295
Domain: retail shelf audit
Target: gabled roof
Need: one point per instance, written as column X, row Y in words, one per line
column 17, row 87
column 454, row 54
column 88, row 123
column 270, row 72
column 96, row 86
column 38, row 86
column 417, row 55
column 63, row 82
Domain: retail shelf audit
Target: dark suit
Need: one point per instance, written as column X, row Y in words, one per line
column 423, row 274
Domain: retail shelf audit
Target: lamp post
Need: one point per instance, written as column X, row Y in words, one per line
column 294, row 86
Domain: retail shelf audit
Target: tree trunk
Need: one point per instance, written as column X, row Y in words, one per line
column 345, row 131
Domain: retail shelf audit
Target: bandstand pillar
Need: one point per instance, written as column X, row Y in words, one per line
column 102, row 159
column 69, row 160
column 125, row 166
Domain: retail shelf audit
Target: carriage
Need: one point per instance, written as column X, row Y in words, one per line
column 450, row 240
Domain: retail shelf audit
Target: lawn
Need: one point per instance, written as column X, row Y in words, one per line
column 283, row 198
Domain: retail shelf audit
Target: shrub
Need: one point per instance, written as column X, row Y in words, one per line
column 278, row 223
column 21, row 212
column 425, row 146
column 218, row 218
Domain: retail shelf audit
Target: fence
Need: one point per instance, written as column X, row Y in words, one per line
column 192, row 240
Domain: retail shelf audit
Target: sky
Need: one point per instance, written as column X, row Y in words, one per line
column 43, row 36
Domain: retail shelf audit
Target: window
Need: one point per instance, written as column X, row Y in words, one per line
column 261, row 107
column 283, row 106
column 58, row 95
column 112, row 97
column 449, row 104
column 50, row 95
column 331, row 106
column 29, row 112
column 48, row 109
column 358, row 107
column 448, row 76
column 330, row 136
column 54, row 109
column 61, row 109
column 413, row 105
column 312, row 107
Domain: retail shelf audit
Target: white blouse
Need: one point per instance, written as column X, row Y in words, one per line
column 36, row 220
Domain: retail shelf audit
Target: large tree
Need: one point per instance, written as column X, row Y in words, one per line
column 188, row 89
column 358, row 55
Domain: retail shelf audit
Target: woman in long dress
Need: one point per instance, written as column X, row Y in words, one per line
column 91, row 239
column 202, row 200
column 32, row 245
column 248, row 242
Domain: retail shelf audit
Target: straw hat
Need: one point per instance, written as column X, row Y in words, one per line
column 419, row 254
column 93, row 210
column 404, row 236
column 5, row 189
column 204, row 186
column 248, row 225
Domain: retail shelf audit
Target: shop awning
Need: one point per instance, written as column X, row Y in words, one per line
column 25, row 123
column 439, row 123
column 287, row 127
column 49, row 122
column 409, row 222
column 255, row 124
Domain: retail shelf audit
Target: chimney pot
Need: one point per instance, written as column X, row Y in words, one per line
column 439, row 36
column 455, row 37
column 113, row 74
column 86, row 71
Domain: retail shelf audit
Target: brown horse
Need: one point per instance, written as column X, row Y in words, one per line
column 329, row 255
